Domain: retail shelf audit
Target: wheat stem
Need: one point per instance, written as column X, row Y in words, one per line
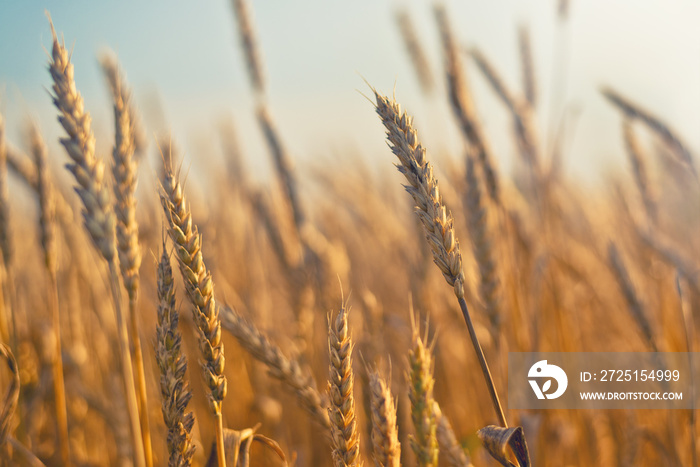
column 48, row 239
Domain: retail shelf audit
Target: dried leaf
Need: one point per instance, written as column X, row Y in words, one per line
column 497, row 440
column 237, row 447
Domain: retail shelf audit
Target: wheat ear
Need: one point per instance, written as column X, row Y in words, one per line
column 172, row 363
column 481, row 246
column 520, row 109
column 639, row 170
column 345, row 436
column 634, row 303
column 200, row 290
column 415, row 50
column 437, row 222
column 98, row 217
column 527, row 65
column 124, row 171
column 462, row 104
column 385, row 435
column 47, row 235
column 288, row 370
column 420, row 392
column 634, row 111
column 249, row 43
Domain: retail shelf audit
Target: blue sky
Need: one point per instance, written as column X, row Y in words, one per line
column 183, row 57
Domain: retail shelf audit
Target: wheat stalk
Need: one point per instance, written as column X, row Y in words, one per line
column 174, row 387
column 47, row 235
column 345, row 436
column 527, row 65
column 385, row 436
column 200, row 290
column 5, row 245
column 8, row 325
column 99, row 220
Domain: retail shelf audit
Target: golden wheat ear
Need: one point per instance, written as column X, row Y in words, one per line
column 172, row 363
column 98, row 215
column 200, row 291
column 345, row 436
column 385, row 436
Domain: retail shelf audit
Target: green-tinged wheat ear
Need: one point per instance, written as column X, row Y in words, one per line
column 172, row 363
column 420, row 392
column 385, row 436
column 345, row 436
column 200, row 291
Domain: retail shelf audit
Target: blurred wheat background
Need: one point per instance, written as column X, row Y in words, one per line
column 239, row 277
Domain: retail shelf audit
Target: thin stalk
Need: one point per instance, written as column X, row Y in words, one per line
column 220, row 453
column 482, row 361
column 58, row 380
column 127, row 370
column 140, row 383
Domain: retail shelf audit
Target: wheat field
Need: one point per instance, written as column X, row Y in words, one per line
column 334, row 315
